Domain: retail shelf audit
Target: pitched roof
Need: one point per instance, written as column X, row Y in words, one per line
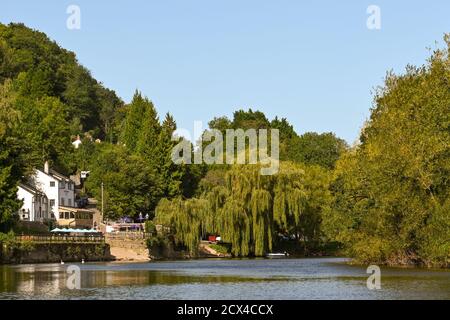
column 30, row 189
column 56, row 175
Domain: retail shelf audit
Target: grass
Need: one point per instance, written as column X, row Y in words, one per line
column 220, row 248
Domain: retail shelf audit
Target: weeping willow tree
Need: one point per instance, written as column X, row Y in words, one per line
column 250, row 199
column 184, row 217
column 236, row 227
column 290, row 198
column 300, row 196
column 251, row 209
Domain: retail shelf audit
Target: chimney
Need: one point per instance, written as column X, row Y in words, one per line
column 46, row 169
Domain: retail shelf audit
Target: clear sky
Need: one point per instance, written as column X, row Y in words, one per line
column 314, row 62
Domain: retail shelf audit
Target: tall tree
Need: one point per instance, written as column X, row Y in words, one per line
column 130, row 185
column 149, row 133
column 392, row 191
column 133, row 121
column 13, row 166
column 316, row 149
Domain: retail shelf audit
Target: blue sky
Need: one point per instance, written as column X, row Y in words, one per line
column 314, row 62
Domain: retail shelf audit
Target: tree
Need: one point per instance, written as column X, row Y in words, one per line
column 391, row 192
column 316, row 149
column 248, row 210
column 13, row 166
column 45, row 69
column 129, row 183
column 132, row 123
column 149, row 132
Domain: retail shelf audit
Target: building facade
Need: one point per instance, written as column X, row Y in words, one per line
column 58, row 188
column 34, row 204
column 51, row 195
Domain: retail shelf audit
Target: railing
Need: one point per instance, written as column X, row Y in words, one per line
column 62, row 239
column 127, row 235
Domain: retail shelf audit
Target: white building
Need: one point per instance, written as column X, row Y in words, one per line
column 77, row 142
column 35, row 204
column 58, row 188
column 51, row 195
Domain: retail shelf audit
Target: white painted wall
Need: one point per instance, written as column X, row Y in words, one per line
column 35, row 205
column 27, row 199
column 43, row 183
column 66, row 194
column 62, row 191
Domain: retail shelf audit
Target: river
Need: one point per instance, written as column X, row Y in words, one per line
column 308, row 278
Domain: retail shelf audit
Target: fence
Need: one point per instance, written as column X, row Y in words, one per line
column 128, row 235
column 62, row 239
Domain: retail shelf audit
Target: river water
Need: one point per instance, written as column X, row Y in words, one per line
column 315, row 278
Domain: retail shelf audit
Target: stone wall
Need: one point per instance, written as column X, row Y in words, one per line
column 54, row 252
column 135, row 247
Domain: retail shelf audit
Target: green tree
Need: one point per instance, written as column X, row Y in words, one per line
column 133, row 121
column 13, row 166
column 392, row 191
column 248, row 210
column 129, row 183
column 316, row 149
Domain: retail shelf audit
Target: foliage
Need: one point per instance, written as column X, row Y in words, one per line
column 8, row 239
column 13, row 164
column 220, row 248
column 150, row 227
column 386, row 200
column 43, row 69
column 251, row 209
column 129, row 184
column 316, row 149
column 391, row 192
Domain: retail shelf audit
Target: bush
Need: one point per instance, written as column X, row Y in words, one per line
column 8, row 239
column 150, row 227
column 221, row 248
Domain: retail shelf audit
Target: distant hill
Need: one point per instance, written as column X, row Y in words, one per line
column 46, row 69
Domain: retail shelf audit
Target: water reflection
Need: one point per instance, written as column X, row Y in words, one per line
column 328, row 278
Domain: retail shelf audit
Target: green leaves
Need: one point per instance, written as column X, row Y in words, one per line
column 316, row 149
column 249, row 210
column 13, row 164
column 41, row 68
column 129, row 183
column 390, row 191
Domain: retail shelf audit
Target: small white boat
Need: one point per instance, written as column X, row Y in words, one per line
column 277, row 255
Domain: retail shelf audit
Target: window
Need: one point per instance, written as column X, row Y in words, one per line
column 70, row 186
column 52, row 202
column 61, row 215
column 52, row 183
column 69, row 202
column 62, row 201
column 62, row 185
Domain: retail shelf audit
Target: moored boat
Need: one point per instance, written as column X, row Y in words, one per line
column 277, row 255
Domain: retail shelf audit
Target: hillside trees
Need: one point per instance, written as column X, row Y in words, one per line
column 13, row 164
column 48, row 70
